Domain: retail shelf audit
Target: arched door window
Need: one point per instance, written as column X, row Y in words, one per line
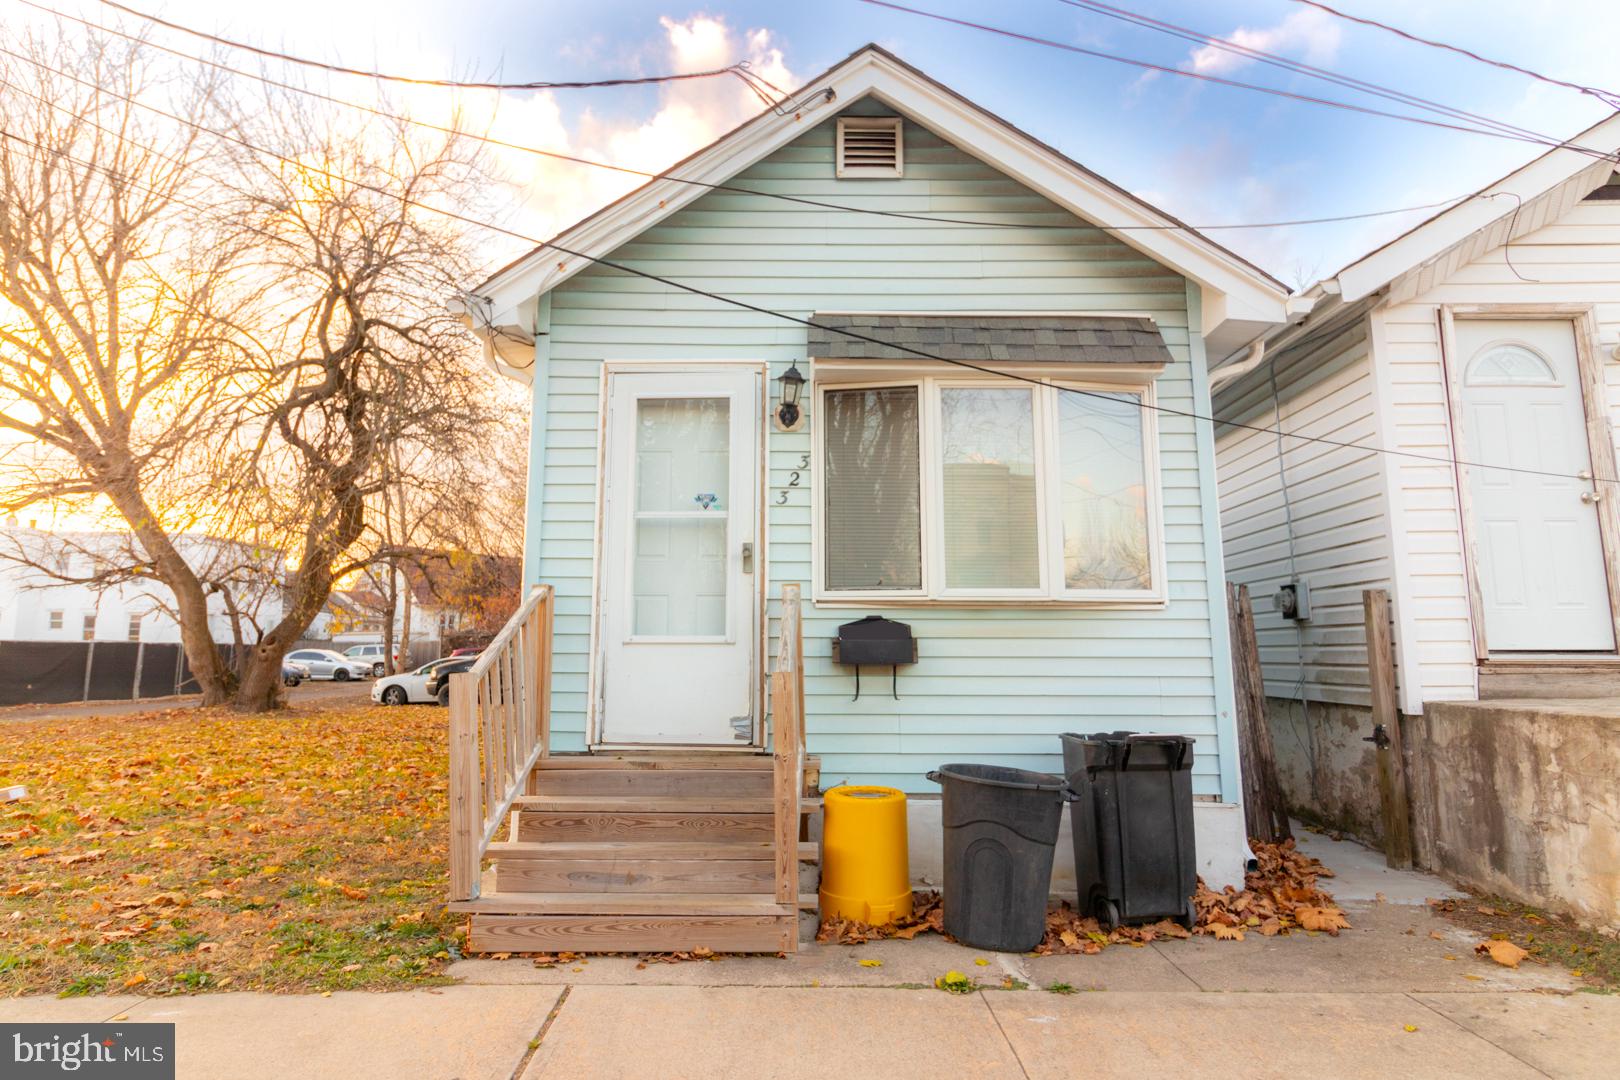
column 1510, row 363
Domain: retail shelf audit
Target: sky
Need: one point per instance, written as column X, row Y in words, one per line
column 1207, row 154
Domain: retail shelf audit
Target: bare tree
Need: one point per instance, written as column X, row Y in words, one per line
column 225, row 327
column 366, row 357
column 115, row 354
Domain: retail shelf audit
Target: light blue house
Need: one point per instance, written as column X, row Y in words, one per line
column 996, row 446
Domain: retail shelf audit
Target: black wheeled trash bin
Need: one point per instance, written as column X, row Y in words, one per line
column 1001, row 826
column 1134, row 856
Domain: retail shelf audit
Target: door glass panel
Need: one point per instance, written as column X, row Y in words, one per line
column 1104, row 485
column 683, row 453
column 683, row 483
column 988, row 440
column 1510, row 363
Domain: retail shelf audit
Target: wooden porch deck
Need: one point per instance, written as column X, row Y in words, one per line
column 624, row 852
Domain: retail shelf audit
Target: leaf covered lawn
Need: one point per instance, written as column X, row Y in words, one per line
column 196, row 849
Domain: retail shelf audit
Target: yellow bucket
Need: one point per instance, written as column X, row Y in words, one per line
column 865, row 867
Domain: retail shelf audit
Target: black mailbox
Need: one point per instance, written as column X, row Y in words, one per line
column 875, row 640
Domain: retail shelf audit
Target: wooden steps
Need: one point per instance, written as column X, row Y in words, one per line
column 640, row 852
column 632, row 933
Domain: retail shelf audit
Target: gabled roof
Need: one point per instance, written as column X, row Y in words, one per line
column 1520, row 203
column 1241, row 301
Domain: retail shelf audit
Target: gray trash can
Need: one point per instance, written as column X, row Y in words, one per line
column 1001, row 826
column 1134, row 854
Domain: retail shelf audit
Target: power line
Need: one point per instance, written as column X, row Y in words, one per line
column 732, row 188
column 1298, row 67
column 272, row 54
column 1610, row 98
column 798, row 320
column 1219, row 80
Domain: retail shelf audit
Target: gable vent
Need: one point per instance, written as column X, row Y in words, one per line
column 870, row 146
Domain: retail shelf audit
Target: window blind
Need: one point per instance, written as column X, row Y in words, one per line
column 873, row 490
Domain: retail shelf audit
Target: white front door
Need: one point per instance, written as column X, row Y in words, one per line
column 1541, row 572
column 679, row 606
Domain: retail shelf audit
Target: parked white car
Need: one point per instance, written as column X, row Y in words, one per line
column 374, row 654
column 409, row 688
column 326, row 664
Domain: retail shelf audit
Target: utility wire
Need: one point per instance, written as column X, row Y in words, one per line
column 450, row 83
column 785, row 316
column 733, row 188
column 1297, row 67
column 1610, row 98
column 1219, row 80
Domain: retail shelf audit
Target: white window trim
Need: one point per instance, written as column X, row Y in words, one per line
column 1139, row 379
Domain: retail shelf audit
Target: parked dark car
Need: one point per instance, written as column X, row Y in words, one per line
column 292, row 674
column 438, row 685
column 467, row 650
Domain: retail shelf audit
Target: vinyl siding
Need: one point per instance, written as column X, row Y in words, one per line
column 1574, row 258
column 993, row 685
column 1336, row 502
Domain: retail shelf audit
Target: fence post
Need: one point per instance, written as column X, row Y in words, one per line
column 1386, row 735
column 89, row 662
column 466, row 794
column 1264, row 810
column 140, row 659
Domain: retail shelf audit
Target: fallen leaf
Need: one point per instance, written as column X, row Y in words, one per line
column 1503, row 952
column 1329, row 919
column 1411, row 1027
column 1227, row 933
column 135, row 980
column 871, row 963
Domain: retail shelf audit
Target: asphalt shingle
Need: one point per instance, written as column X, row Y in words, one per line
column 1059, row 339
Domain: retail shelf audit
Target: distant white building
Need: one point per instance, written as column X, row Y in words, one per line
column 72, row 586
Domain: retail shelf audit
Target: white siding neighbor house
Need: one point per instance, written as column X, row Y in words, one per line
column 1465, row 382
column 49, row 588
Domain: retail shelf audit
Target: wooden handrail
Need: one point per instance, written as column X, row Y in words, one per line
column 787, row 744
column 500, row 726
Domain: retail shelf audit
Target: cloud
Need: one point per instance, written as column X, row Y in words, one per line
column 1310, row 35
column 686, row 116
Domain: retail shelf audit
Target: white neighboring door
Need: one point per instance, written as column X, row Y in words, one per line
column 679, row 608
column 1541, row 571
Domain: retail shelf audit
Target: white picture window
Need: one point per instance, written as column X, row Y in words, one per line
column 988, row 490
column 54, row 620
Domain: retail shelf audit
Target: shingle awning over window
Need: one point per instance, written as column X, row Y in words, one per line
column 1041, row 339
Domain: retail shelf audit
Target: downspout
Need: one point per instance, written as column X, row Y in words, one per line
column 1256, row 357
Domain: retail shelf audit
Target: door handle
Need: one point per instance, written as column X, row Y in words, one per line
column 748, row 557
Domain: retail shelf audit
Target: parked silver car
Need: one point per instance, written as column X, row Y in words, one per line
column 374, row 654
column 326, row 664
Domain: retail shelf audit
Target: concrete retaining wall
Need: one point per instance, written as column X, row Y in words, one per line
column 1329, row 775
column 1522, row 798
column 1517, row 798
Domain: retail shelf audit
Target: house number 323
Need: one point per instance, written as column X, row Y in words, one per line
column 795, row 479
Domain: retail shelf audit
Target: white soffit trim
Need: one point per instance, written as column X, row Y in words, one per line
column 1235, row 290
column 1437, row 235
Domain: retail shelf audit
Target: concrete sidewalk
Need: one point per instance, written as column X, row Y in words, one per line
column 1401, row 994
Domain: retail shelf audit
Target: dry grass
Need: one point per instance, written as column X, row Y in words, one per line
column 193, row 849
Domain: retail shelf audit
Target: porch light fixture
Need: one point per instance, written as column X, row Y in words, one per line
column 787, row 413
